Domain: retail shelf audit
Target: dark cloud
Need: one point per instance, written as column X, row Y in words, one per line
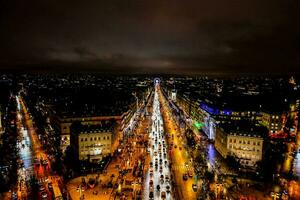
column 151, row 36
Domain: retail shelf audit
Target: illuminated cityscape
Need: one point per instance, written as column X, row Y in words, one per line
column 167, row 137
column 149, row 100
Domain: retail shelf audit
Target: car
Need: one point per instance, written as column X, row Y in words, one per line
column 185, row 177
column 41, row 188
column 151, row 164
column 151, row 182
column 158, row 187
column 151, row 188
column 168, row 188
column 151, row 195
column 50, row 186
column 44, row 195
column 195, row 187
column 167, row 178
column 163, row 195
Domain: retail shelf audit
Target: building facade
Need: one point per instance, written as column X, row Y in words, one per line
column 244, row 144
column 93, row 142
column 63, row 124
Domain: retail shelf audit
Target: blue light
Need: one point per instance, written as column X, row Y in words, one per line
column 210, row 110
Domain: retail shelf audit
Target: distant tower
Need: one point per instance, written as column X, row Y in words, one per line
column 156, row 81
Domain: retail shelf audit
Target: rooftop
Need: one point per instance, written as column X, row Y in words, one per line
column 243, row 128
column 105, row 127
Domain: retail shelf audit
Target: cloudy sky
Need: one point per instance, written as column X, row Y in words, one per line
column 175, row 36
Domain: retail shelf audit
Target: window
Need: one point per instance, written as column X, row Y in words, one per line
column 254, row 143
column 234, row 140
column 91, row 139
column 240, row 141
column 81, row 140
column 104, row 138
column 258, row 143
column 95, row 138
column 108, row 137
column 230, row 140
column 248, row 142
column 85, row 139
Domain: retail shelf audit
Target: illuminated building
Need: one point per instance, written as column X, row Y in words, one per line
column 64, row 124
column 243, row 141
column 273, row 121
column 93, row 142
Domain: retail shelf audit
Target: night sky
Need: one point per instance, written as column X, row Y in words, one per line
column 157, row 36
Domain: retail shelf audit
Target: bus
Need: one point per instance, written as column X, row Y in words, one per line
column 56, row 193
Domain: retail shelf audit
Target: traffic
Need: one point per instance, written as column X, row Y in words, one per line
column 158, row 180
